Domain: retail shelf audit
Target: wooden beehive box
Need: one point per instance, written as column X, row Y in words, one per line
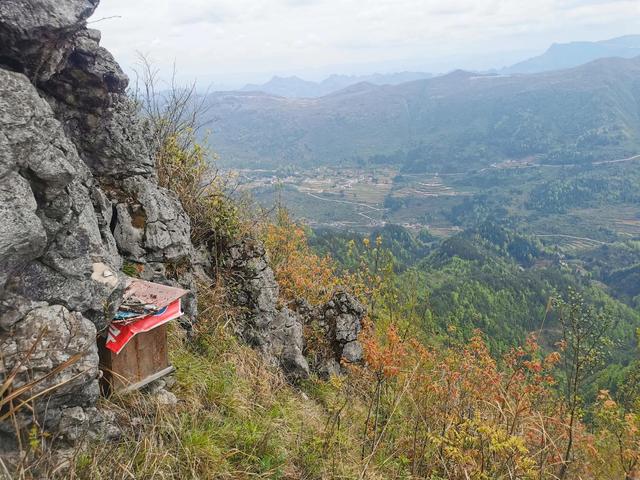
column 144, row 359
column 134, row 351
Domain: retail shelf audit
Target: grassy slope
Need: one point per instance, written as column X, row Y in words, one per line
column 236, row 419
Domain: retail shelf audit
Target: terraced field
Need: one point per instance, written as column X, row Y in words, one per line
column 623, row 219
column 570, row 243
column 424, row 187
column 428, row 185
column 630, row 227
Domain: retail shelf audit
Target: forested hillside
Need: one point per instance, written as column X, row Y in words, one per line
column 457, row 122
column 492, row 278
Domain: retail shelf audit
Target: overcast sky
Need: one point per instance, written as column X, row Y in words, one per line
column 232, row 42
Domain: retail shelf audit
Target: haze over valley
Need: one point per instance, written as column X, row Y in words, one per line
column 416, row 152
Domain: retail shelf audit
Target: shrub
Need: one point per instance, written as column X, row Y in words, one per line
column 299, row 271
column 183, row 168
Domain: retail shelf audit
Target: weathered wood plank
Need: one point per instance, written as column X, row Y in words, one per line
column 144, row 359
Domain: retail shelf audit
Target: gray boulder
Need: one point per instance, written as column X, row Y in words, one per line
column 55, row 336
column 23, row 237
column 35, row 36
column 48, row 41
column 51, row 250
column 88, row 96
column 340, row 321
column 151, row 226
column 279, row 332
column 343, row 316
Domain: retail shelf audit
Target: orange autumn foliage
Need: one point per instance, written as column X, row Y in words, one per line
column 299, row 271
column 456, row 412
column 385, row 359
column 459, row 411
column 620, row 429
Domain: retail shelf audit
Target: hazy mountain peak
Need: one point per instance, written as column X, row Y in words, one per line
column 566, row 55
column 456, row 122
column 296, row 87
column 460, row 73
column 355, row 88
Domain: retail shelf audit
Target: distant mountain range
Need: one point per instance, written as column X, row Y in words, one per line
column 558, row 56
column 454, row 122
column 567, row 55
column 295, row 87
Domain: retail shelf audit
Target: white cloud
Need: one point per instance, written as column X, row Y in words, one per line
column 224, row 40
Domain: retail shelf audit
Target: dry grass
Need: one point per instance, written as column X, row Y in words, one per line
column 236, row 418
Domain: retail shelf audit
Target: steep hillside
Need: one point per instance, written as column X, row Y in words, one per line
column 457, row 122
column 489, row 277
column 92, row 206
column 287, row 365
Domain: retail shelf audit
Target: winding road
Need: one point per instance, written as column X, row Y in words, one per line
column 345, row 201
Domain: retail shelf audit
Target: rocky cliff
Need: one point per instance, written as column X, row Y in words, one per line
column 78, row 198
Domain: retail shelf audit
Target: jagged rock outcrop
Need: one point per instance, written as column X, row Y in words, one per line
column 342, row 317
column 55, row 251
column 37, row 35
column 149, row 224
column 279, row 332
column 338, row 324
column 60, row 335
column 276, row 332
column 79, row 199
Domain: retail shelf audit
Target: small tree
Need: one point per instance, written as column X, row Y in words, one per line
column 584, row 342
column 171, row 110
column 620, row 429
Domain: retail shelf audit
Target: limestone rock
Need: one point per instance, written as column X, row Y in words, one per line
column 78, row 197
column 158, row 228
column 277, row 333
column 343, row 315
column 78, row 424
column 34, row 35
column 286, row 342
column 87, row 92
column 23, row 237
column 14, row 308
column 58, row 336
column 341, row 321
column 48, row 41
column 166, row 398
column 55, row 238
column 352, row 352
column 151, row 229
column 258, row 289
